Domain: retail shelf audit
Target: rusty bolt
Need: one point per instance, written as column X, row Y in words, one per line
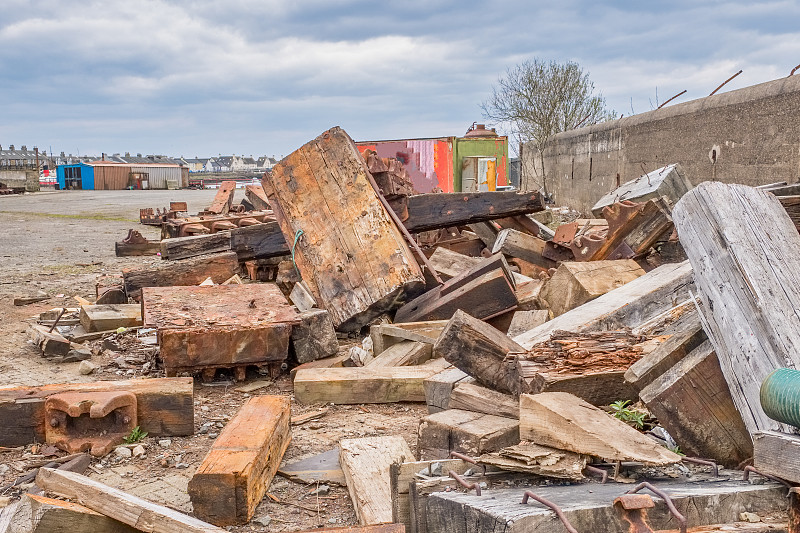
column 126, row 420
column 54, row 422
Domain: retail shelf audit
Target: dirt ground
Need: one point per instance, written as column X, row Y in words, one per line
column 58, row 243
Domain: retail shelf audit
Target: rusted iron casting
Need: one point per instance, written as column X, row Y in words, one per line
column 89, row 421
column 667, row 500
column 633, row 508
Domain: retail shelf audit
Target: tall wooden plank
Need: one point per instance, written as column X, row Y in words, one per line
column 353, row 258
column 232, row 479
column 743, row 248
column 365, row 463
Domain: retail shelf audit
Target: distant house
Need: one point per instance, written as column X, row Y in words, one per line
column 198, row 164
column 222, row 163
column 265, row 163
column 243, row 164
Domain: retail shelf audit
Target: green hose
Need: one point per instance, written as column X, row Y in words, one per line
column 780, row 396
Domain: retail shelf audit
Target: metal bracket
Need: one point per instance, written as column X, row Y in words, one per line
column 634, row 510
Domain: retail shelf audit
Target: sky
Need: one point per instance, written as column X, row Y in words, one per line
column 262, row 77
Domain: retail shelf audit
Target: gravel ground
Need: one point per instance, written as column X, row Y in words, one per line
column 58, row 243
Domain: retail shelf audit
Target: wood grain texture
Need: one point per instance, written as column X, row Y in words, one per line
column 445, row 210
column 385, row 335
column 404, row 353
column 526, row 247
column 106, row 317
column 455, row 430
column 219, row 267
column 354, row 259
column 479, row 350
column 439, row 387
column 471, row 397
column 538, row 460
column 777, row 454
column 314, row 338
column 364, row 384
column 692, row 402
column 234, row 476
column 165, row 406
column 561, row 420
column 742, row 246
column 38, row 514
column 259, row 241
column 628, row 306
column 126, row 508
column 194, row 245
column 576, row 283
column 365, row 463
column 523, row 321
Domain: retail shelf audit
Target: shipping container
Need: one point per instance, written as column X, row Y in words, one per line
column 111, row 176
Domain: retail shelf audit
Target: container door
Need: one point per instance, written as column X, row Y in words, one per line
column 469, row 174
column 487, row 174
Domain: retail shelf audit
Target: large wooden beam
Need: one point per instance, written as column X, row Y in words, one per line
column 219, row 267
column 742, row 246
column 628, row 306
column 38, row 514
column 259, row 241
column 114, row 503
column 234, row 476
column 165, row 406
column 777, row 454
column 365, row 463
column 363, row 384
column 444, row 210
column 353, row 258
column 194, row 245
column 467, row 432
column 692, row 402
column 522, row 246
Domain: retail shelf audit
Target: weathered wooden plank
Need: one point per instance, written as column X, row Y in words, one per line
column 439, row 387
column 449, row 264
column 628, row 306
column 130, row 249
column 38, row 514
column 114, row 503
column 561, row 420
column 219, row 267
column 235, row 474
column 259, row 241
column 404, row 353
column 106, row 317
column 692, row 402
column 538, row 460
column 444, row 210
column 684, row 335
column 467, row 432
column 523, row 321
column 363, row 384
column 385, row 335
column 164, row 406
column 257, row 197
column 49, row 342
column 576, row 283
column 194, row 245
column 365, row 463
column 526, row 247
column 742, row 244
column 471, row 397
column 314, row 338
column 479, row 350
column 777, row 454
column 355, row 261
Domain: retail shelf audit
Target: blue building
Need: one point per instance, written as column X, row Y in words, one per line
column 75, row 176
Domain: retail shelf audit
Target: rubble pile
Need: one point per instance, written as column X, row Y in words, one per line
column 563, row 368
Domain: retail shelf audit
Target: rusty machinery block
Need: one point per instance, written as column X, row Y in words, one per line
column 89, row 421
column 557, row 252
column 178, row 207
column 222, row 225
column 565, row 233
column 193, row 229
column 619, row 213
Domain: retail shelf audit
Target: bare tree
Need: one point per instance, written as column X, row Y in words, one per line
column 537, row 99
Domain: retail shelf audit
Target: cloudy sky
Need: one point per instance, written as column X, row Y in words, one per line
column 199, row 77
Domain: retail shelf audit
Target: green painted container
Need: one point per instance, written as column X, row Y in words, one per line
column 780, row 396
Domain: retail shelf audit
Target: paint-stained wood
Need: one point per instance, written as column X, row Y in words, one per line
column 628, row 306
column 561, row 420
column 365, row 463
column 479, row 350
column 467, row 432
column 234, row 476
column 218, row 267
column 692, row 402
column 353, row 258
column 119, row 505
column 164, row 406
column 363, row 384
column 576, row 283
column 742, row 246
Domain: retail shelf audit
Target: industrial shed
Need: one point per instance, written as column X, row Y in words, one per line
column 109, row 175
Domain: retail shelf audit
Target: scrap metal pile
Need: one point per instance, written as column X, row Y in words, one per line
column 565, row 367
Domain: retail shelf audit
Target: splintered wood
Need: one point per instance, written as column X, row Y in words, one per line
column 366, row 463
column 353, row 258
column 540, row 460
